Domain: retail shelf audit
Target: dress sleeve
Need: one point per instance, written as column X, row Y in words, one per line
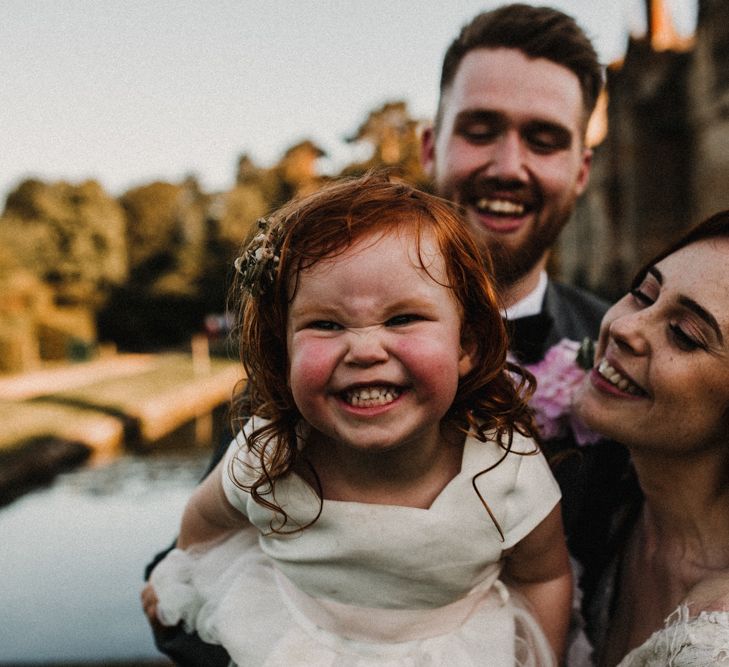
column 239, row 469
column 533, row 495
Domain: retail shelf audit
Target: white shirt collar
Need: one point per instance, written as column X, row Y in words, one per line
column 531, row 304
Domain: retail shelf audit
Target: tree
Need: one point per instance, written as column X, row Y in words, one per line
column 71, row 236
column 394, row 137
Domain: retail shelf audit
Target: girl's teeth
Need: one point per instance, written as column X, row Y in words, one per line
column 371, row 396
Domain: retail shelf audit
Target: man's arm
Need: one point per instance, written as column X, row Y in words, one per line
column 187, row 650
column 208, row 517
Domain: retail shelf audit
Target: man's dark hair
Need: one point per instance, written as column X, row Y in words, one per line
column 538, row 32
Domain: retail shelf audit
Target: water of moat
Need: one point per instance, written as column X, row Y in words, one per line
column 72, row 558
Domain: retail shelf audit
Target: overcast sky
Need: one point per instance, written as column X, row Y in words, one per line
column 129, row 91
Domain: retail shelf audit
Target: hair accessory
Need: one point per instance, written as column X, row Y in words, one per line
column 257, row 265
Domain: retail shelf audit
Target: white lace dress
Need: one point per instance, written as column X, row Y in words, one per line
column 369, row 584
column 685, row 641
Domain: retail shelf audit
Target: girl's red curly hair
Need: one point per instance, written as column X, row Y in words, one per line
column 324, row 224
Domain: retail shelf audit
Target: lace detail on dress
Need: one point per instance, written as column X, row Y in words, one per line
column 685, row 641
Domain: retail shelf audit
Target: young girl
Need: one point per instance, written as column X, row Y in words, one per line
column 364, row 515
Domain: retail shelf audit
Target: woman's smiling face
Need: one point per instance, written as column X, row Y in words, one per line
column 661, row 376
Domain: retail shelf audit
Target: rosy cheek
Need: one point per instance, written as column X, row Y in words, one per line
column 310, row 363
column 435, row 358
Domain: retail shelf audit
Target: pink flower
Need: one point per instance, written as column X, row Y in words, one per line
column 558, row 377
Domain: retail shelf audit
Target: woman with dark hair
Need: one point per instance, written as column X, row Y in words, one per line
column 660, row 386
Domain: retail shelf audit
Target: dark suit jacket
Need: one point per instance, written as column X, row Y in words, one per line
column 597, row 482
column 567, row 312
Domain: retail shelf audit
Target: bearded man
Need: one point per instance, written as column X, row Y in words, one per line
column 518, row 86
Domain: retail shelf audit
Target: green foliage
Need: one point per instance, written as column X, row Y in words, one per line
column 167, row 235
column 71, row 236
column 394, row 138
column 153, row 262
column 152, row 212
column 241, row 207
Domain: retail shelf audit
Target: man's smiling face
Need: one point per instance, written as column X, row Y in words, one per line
column 508, row 147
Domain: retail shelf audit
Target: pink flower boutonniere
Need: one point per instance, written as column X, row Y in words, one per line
column 558, row 376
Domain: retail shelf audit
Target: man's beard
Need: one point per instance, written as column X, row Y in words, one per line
column 512, row 264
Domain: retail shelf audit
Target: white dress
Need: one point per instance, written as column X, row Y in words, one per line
column 369, row 584
column 685, row 641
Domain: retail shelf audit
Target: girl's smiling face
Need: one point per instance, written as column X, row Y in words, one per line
column 661, row 378
column 374, row 343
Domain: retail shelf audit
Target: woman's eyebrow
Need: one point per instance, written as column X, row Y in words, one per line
column 692, row 305
column 703, row 314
